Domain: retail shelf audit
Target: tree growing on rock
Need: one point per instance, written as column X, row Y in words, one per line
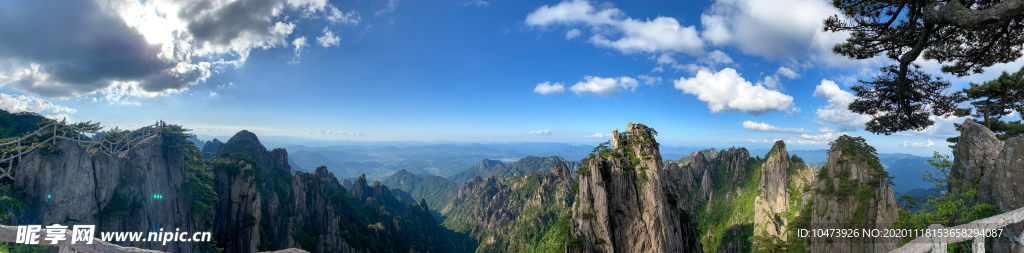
column 996, row 99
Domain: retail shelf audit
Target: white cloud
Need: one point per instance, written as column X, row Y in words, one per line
column 572, row 34
column 719, row 57
column 804, row 139
column 328, row 132
column 604, row 86
column 478, row 3
column 754, row 140
column 666, row 59
column 837, row 111
column 213, row 93
column 23, row 103
column 774, row 29
column 823, row 137
column 770, row 128
column 784, row 71
column 826, row 130
column 298, row 43
column 542, row 132
column 546, row 88
column 942, row 128
column 226, row 86
column 650, row 80
column 123, row 93
column 662, row 34
column 329, row 39
column 388, row 8
column 772, row 82
column 598, row 135
column 348, row 18
column 727, row 91
column 907, row 143
column 156, row 46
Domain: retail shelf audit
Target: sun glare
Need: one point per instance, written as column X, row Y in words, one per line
column 156, row 25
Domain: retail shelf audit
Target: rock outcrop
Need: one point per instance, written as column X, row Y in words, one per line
column 248, row 199
column 273, row 170
column 347, row 184
column 997, row 168
column 211, row 146
column 773, row 203
column 976, row 152
column 237, row 214
column 113, row 191
column 851, row 191
column 497, row 210
column 623, row 202
column 313, row 211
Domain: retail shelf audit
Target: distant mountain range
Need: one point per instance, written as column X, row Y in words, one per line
column 529, row 164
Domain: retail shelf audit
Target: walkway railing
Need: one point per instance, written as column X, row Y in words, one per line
column 59, row 131
column 938, row 244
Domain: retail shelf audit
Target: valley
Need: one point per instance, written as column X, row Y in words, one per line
column 622, row 197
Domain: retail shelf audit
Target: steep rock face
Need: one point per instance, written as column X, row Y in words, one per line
column 114, row 192
column 375, row 194
column 487, row 164
column 997, row 168
column 773, row 203
column 1006, row 182
column 274, row 172
column 849, row 192
column 211, row 146
column 505, row 214
column 347, row 184
column 680, row 180
column 709, row 154
column 313, row 211
column 235, row 224
column 623, row 203
column 976, row 152
column 248, row 205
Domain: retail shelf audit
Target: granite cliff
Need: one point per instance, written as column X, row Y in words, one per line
column 996, row 168
column 512, row 214
column 852, row 190
column 624, row 202
column 245, row 195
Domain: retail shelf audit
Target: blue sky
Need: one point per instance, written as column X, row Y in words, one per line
column 703, row 73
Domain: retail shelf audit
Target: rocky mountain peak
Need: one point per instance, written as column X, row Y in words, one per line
column 560, row 171
column 709, row 154
column 773, row 172
column 211, row 146
column 345, row 182
column 242, row 141
column 976, row 151
column 840, row 196
column 487, row 163
column 321, row 172
column 773, row 200
column 623, row 205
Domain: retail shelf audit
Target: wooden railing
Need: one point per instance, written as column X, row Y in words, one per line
column 78, row 135
column 937, row 244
